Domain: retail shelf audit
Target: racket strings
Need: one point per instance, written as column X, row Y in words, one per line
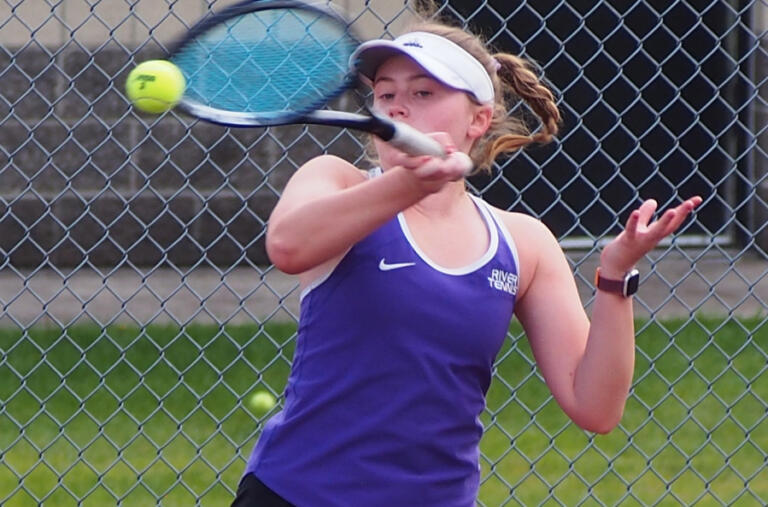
column 268, row 61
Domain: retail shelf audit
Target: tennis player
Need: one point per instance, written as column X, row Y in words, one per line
column 409, row 284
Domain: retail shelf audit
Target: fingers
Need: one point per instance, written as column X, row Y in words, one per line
column 408, row 161
column 435, row 172
column 639, row 218
column 462, row 161
column 445, row 140
column 678, row 215
column 669, row 222
column 414, row 161
column 646, row 211
column 632, row 224
column 639, row 237
column 451, row 168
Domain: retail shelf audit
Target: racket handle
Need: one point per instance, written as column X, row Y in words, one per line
column 409, row 140
column 414, row 142
column 400, row 135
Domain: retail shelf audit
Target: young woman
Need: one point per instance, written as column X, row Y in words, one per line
column 408, row 286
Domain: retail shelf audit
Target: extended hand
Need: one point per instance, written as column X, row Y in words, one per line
column 640, row 235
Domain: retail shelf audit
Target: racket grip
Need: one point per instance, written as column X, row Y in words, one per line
column 414, row 142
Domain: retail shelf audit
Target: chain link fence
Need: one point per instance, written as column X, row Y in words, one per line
column 139, row 311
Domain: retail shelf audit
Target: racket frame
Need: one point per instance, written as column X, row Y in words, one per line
column 400, row 135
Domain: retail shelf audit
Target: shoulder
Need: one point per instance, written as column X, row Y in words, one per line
column 319, row 176
column 525, row 229
column 519, row 221
column 331, row 167
column 534, row 242
column 330, row 162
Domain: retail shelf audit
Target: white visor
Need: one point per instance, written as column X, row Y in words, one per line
column 444, row 60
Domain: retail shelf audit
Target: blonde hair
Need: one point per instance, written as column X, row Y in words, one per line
column 513, row 79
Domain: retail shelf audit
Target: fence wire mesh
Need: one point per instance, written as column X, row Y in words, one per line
column 139, row 311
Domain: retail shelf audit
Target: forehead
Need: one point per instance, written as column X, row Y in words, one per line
column 401, row 66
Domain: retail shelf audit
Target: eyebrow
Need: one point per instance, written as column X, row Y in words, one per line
column 411, row 78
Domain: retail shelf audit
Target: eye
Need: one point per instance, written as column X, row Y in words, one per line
column 385, row 96
column 423, row 93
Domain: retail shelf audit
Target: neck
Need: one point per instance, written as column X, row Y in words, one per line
column 450, row 199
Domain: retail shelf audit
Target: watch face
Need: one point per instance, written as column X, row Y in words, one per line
column 631, row 282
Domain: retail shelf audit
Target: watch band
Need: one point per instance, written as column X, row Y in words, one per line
column 626, row 287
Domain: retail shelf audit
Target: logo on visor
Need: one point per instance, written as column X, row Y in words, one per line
column 413, row 44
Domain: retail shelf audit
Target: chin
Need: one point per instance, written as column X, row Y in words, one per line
column 385, row 153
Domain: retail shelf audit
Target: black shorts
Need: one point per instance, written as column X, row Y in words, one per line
column 253, row 493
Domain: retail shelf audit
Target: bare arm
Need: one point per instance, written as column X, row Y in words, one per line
column 328, row 206
column 589, row 367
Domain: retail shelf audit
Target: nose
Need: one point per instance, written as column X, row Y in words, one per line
column 397, row 109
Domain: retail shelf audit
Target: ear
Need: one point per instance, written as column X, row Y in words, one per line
column 481, row 121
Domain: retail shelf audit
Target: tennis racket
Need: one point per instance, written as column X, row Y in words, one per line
column 273, row 62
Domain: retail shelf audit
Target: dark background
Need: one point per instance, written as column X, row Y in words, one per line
column 650, row 96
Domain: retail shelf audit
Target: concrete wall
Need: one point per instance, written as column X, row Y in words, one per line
column 84, row 178
column 132, row 24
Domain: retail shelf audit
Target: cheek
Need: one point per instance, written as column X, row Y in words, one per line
column 456, row 124
column 376, row 105
column 454, row 114
column 443, row 119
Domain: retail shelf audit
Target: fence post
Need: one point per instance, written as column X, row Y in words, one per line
column 760, row 152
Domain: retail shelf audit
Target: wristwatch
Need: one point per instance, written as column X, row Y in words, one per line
column 625, row 287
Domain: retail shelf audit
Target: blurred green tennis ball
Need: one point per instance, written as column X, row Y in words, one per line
column 155, row 86
column 262, row 402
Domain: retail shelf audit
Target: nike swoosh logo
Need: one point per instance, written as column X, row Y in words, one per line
column 389, row 267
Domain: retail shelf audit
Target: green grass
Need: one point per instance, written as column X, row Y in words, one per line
column 96, row 416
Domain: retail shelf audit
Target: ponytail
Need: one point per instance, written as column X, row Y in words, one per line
column 513, row 79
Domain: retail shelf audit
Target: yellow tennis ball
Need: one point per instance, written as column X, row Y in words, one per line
column 155, row 86
column 262, row 402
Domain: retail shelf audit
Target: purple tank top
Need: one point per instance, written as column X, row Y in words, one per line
column 393, row 359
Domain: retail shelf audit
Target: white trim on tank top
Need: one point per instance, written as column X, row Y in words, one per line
column 504, row 232
column 376, row 171
column 490, row 252
column 490, row 219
